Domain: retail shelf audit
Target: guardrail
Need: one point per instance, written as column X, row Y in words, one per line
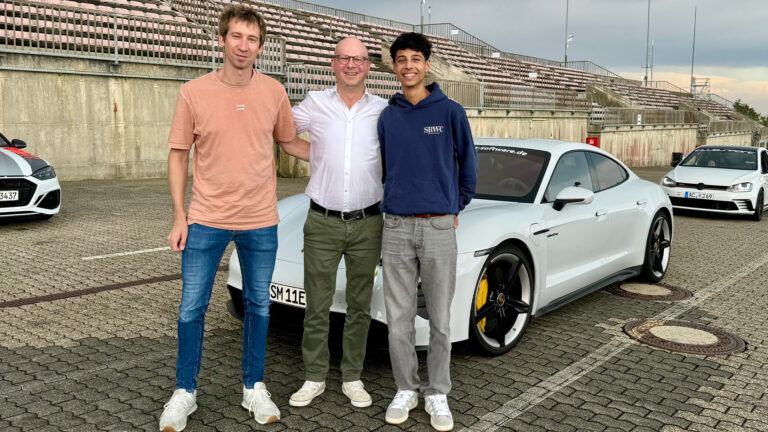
column 41, row 28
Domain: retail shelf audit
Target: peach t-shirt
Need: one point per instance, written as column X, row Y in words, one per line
column 233, row 129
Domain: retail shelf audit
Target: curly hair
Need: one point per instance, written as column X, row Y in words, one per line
column 415, row 41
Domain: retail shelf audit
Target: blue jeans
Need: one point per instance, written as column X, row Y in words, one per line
column 256, row 250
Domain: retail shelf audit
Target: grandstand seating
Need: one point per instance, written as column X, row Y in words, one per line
column 179, row 31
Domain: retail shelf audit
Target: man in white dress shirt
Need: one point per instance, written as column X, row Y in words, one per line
column 344, row 218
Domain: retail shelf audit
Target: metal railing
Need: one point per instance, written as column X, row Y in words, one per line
column 668, row 86
column 590, row 68
column 721, row 100
column 352, row 17
column 629, row 116
column 472, row 94
column 731, row 126
column 40, row 28
column 301, row 78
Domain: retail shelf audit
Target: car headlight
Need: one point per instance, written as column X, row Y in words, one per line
column 46, row 173
column 668, row 182
column 741, row 187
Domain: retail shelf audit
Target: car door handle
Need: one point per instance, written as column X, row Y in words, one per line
column 642, row 202
column 601, row 212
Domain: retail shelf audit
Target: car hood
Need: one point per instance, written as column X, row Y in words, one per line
column 710, row 176
column 17, row 162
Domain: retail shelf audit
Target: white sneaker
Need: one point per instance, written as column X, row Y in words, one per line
column 356, row 393
column 181, row 405
column 404, row 401
column 257, row 401
column 436, row 406
column 306, row 393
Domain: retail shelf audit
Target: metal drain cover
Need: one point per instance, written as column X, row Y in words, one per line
column 684, row 337
column 655, row 292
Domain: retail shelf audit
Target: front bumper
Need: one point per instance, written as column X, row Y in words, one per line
column 716, row 201
column 36, row 197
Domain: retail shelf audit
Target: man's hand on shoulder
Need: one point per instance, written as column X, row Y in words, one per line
column 177, row 239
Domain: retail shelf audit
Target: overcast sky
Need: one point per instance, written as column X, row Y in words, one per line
column 731, row 35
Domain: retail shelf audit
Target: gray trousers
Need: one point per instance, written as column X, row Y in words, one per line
column 414, row 248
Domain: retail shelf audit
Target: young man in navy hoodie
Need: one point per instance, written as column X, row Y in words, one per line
column 430, row 171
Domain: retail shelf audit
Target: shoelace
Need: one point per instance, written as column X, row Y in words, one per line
column 178, row 402
column 402, row 399
column 440, row 406
column 262, row 395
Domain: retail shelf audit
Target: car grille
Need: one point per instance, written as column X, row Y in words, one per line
column 705, row 187
column 25, row 187
column 703, row 203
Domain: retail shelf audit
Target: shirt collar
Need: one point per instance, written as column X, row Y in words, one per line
column 362, row 101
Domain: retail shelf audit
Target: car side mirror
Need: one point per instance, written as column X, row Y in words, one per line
column 675, row 163
column 19, row 144
column 573, row 195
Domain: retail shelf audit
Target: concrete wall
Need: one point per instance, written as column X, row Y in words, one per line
column 501, row 123
column 647, row 145
column 743, row 138
column 93, row 123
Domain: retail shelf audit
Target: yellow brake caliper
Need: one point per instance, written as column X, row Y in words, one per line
column 482, row 298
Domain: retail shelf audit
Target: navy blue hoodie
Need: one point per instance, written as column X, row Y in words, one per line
column 429, row 158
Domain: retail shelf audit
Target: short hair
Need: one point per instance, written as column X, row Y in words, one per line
column 245, row 14
column 415, row 41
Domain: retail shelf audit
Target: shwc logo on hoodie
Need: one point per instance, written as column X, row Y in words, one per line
column 433, row 130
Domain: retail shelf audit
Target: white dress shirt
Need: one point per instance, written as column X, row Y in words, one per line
column 344, row 156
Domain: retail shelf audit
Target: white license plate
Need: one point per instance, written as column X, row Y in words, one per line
column 288, row 295
column 9, row 195
column 699, row 195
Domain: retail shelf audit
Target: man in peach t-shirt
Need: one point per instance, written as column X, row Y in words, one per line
column 232, row 116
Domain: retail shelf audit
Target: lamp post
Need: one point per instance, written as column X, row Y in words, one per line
column 647, row 46
column 421, row 6
column 565, row 63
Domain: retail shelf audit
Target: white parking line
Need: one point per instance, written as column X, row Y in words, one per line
column 125, row 253
column 543, row 390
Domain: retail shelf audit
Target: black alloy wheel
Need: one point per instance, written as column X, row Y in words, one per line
column 657, row 249
column 501, row 306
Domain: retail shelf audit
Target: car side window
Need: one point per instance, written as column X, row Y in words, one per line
column 607, row 172
column 765, row 161
column 571, row 170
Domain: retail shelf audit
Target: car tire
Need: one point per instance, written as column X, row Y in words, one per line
column 499, row 317
column 657, row 249
column 759, row 207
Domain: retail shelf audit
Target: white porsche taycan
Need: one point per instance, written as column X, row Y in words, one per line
column 720, row 179
column 551, row 221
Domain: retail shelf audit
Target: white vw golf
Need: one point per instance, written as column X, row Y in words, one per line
column 720, row 179
column 551, row 221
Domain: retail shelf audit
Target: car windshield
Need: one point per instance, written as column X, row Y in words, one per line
column 508, row 173
column 727, row 158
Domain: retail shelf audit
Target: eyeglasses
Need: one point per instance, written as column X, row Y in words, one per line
column 344, row 59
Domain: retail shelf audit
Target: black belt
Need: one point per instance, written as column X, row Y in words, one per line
column 349, row 215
